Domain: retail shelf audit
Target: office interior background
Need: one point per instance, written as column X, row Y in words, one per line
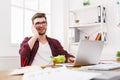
column 57, row 11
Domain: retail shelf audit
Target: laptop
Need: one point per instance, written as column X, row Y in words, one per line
column 89, row 53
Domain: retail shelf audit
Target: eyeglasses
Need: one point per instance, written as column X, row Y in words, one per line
column 41, row 23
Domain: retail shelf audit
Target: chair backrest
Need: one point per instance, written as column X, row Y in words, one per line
column 22, row 61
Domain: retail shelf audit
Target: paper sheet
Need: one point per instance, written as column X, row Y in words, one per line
column 59, row 74
column 24, row 70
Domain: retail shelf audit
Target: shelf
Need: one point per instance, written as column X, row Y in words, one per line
column 85, row 25
column 86, row 22
column 85, row 8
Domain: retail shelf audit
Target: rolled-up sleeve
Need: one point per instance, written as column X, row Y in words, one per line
column 24, row 47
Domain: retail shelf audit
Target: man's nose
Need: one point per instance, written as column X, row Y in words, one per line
column 40, row 25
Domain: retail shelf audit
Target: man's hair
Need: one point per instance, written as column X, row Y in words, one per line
column 38, row 15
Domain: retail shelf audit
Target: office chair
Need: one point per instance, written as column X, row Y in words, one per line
column 22, row 61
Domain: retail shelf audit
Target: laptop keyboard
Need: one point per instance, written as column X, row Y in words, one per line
column 103, row 67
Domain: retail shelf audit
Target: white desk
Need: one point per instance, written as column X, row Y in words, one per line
column 4, row 74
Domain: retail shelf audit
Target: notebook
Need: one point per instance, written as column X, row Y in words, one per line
column 89, row 52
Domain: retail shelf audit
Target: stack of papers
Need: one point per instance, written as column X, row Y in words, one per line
column 103, row 66
column 61, row 73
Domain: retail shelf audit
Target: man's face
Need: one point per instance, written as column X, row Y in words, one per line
column 41, row 25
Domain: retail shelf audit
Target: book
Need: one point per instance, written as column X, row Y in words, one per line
column 98, row 37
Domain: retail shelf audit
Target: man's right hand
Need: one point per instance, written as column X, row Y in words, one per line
column 35, row 32
column 31, row 42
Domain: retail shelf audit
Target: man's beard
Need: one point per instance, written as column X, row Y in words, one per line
column 42, row 33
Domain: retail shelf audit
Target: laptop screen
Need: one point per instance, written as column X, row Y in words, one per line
column 89, row 52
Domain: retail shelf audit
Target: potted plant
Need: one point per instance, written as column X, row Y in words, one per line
column 118, row 56
column 86, row 2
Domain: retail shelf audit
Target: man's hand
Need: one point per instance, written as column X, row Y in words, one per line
column 35, row 32
column 71, row 59
column 31, row 42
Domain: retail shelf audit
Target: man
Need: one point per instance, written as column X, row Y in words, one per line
column 36, row 50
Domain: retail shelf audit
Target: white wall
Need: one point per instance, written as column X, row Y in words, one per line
column 9, row 62
column 113, row 31
column 6, row 49
column 57, row 30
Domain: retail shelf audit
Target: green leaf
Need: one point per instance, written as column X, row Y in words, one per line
column 118, row 54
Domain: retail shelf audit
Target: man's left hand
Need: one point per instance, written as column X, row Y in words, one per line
column 71, row 59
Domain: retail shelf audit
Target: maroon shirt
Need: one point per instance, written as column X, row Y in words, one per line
column 29, row 54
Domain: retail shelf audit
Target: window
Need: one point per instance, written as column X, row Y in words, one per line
column 21, row 14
